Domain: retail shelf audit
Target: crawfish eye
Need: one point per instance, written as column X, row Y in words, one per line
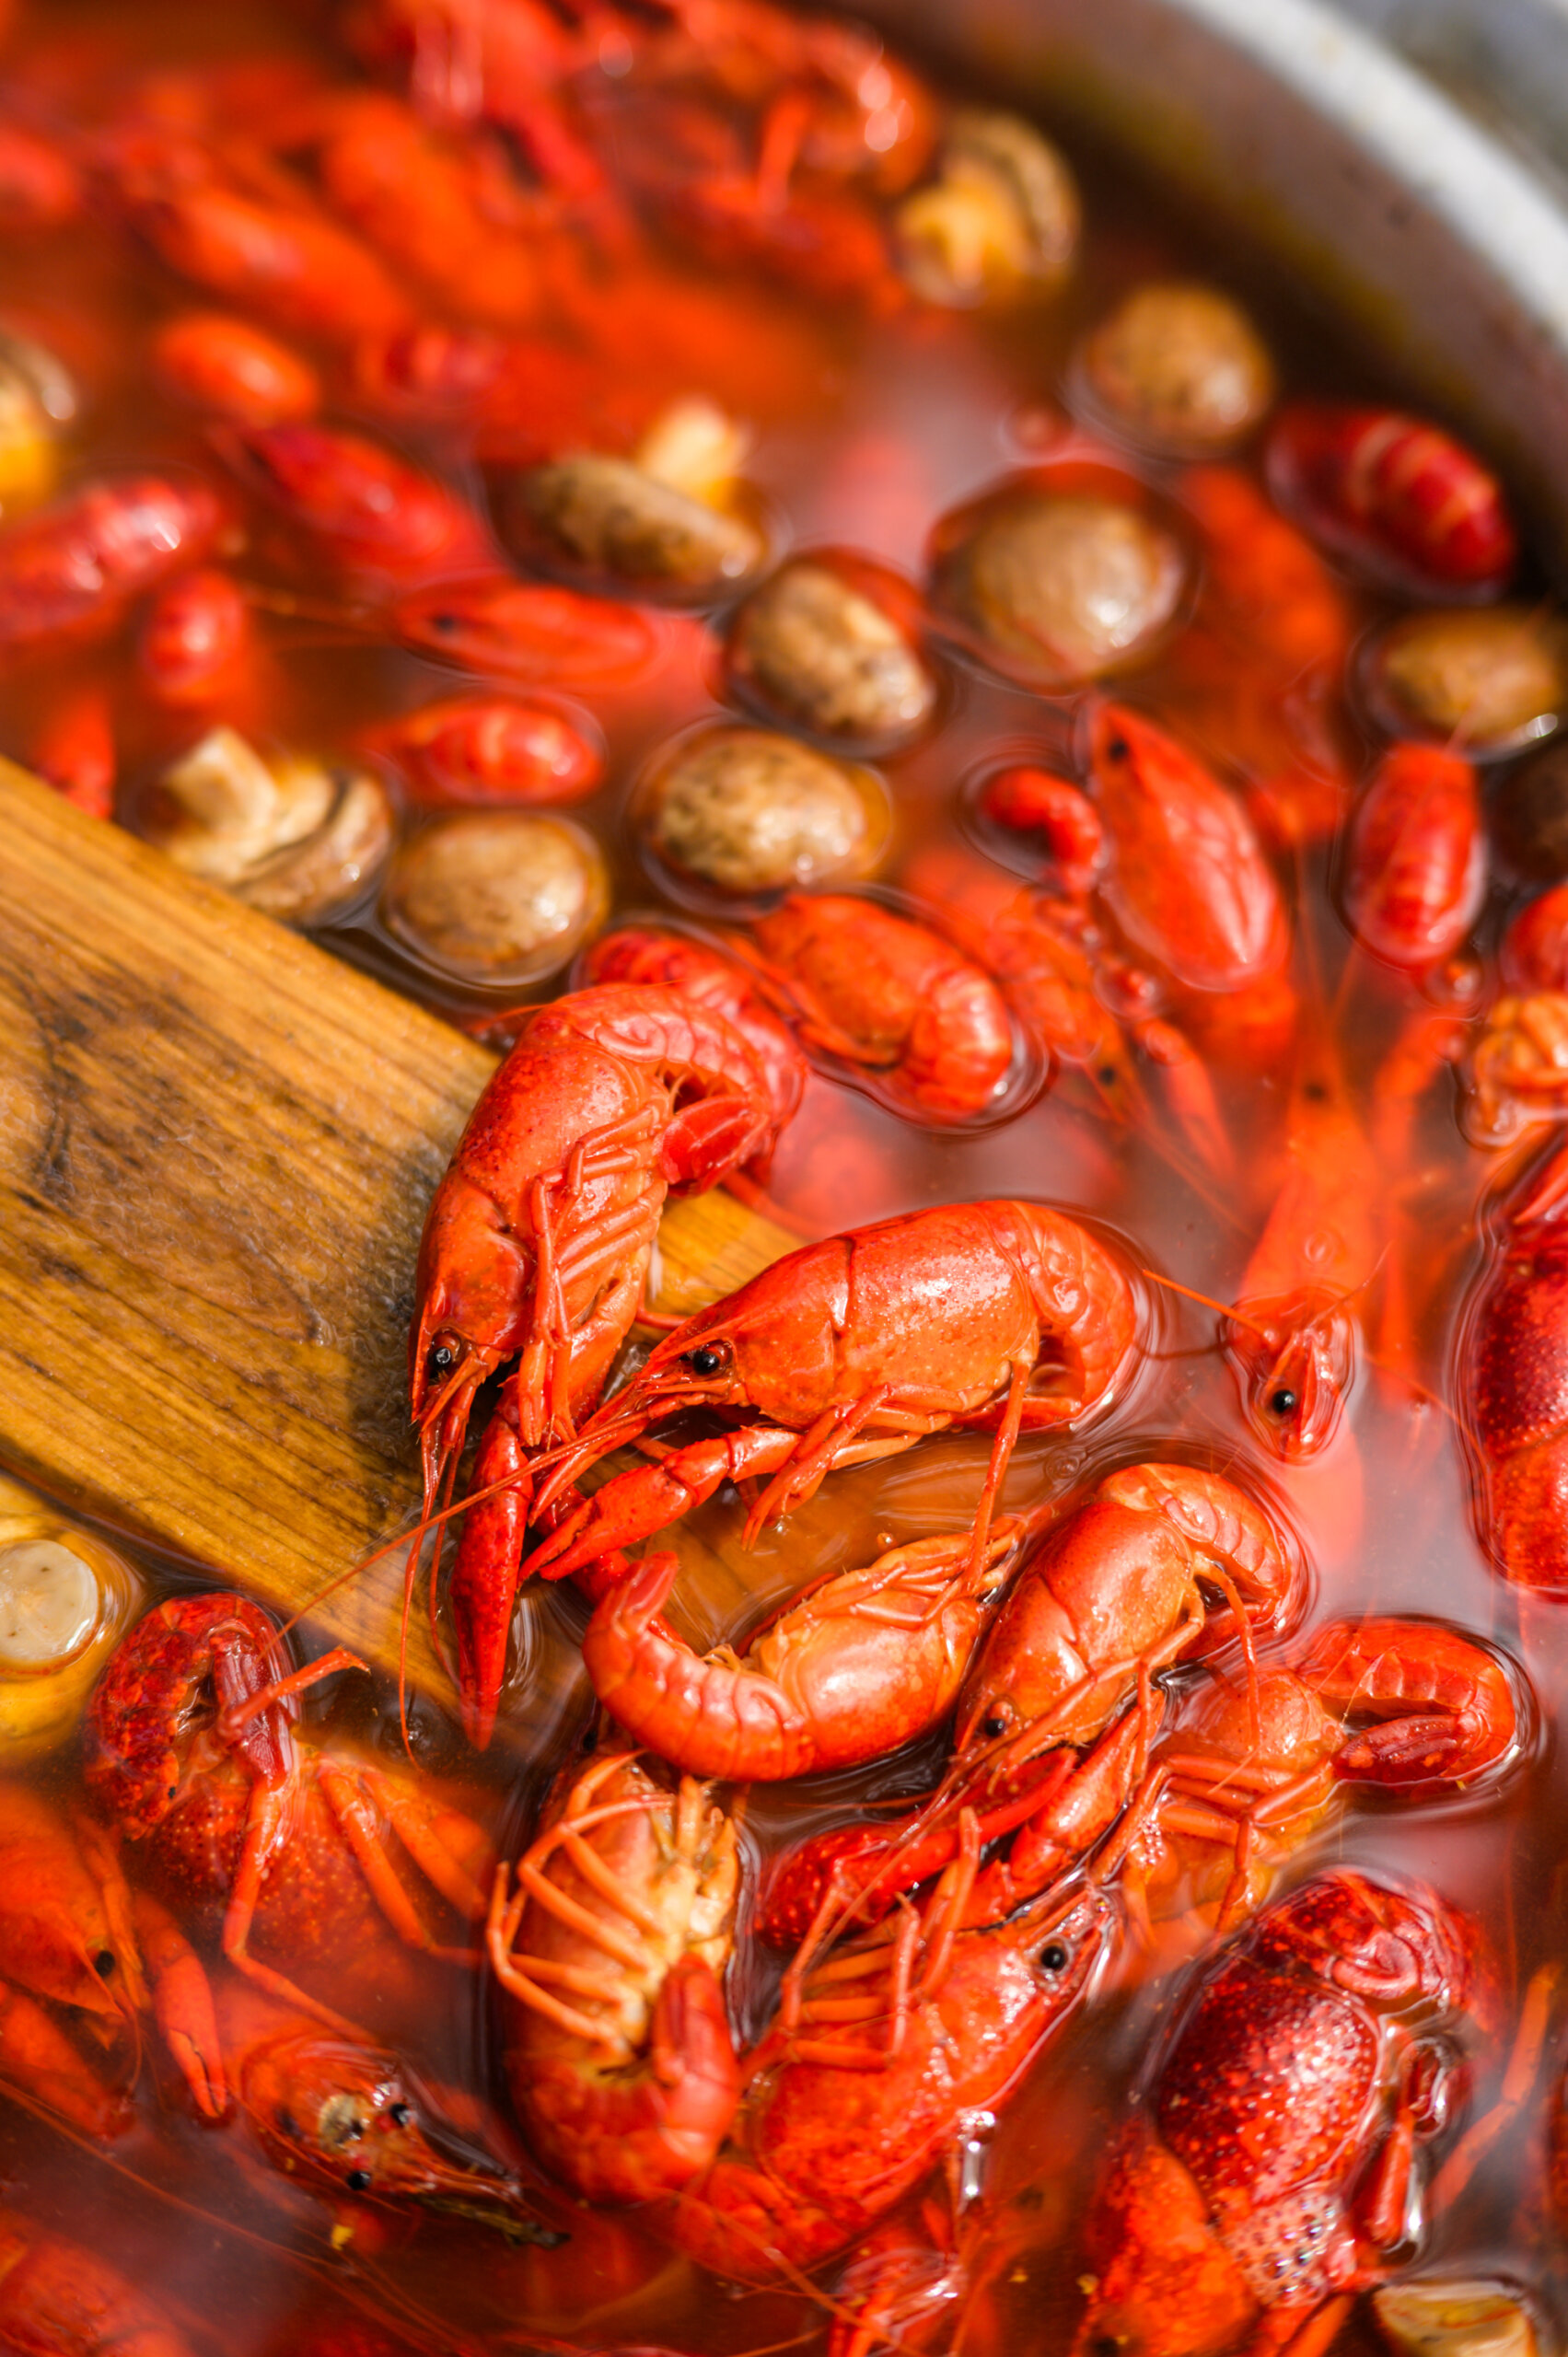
column 103, row 1963
column 445, row 623
column 358, row 2180
column 400, row 2114
column 995, row 1725
column 707, row 1358
column 1054, row 1958
column 443, row 1358
column 1283, row 1401
column 1116, row 749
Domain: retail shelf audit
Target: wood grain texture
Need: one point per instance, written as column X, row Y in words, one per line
column 217, row 1147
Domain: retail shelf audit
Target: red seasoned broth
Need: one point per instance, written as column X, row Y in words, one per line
column 868, row 429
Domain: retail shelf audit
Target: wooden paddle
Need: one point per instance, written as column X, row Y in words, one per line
column 217, row 1147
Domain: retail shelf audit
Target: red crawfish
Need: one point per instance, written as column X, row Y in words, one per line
column 1245, row 1776
column 1512, row 1370
column 1294, row 1333
column 74, row 747
column 1270, row 599
column 224, row 365
column 705, row 978
column 1403, row 500
column 197, row 642
column 491, row 749
column 530, row 630
column 902, row 2038
column 618, row 2053
column 1270, row 2169
column 343, row 2119
column 885, row 995
column 1041, row 948
column 1415, row 857
column 1160, row 1564
column 1049, row 950
column 60, row 2298
column 263, row 247
column 1533, row 953
column 1003, row 1317
column 449, row 214
column 925, row 1025
column 537, row 1245
column 192, row 1757
column 864, row 1661
column 1188, row 880
column 379, row 523
column 80, row 1948
column 73, row 568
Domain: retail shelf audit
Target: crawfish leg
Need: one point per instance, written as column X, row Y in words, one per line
column 355, row 1812
column 182, row 2001
column 452, row 1852
column 268, row 1827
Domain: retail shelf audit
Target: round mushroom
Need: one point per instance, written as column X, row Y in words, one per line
column 1488, row 680
column 496, row 896
column 1059, row 587
column 1002, row 214
column 1179, row 367
column 612, row 520
column 294, row 837
column 750, row 811
column 65, row 1601
column 1529, row 815
column 816, row 650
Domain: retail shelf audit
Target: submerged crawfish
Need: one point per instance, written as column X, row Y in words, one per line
column 1411, row 1707
column 190, row 1754
column 1270, row 2167
column 341, row 2118
column 902, row 2038
column 849, row 1350
column 537, row 1245
column 1161, row 1563
column 75, row 1940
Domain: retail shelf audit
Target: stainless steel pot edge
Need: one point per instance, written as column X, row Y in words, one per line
column 1328, row 150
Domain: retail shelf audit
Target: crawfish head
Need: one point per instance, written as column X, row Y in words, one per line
column 344, row 2115
column 1296, row 1359
column 169, row 1684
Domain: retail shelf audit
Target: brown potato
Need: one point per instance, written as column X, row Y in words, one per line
column 1062, row 587
column 819, row 651
column 609, row 518
column 1180, row 366
column 1002, row 214
column 295, row 837
column 750, row 811
column 1488, row 680
column 496, row 896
